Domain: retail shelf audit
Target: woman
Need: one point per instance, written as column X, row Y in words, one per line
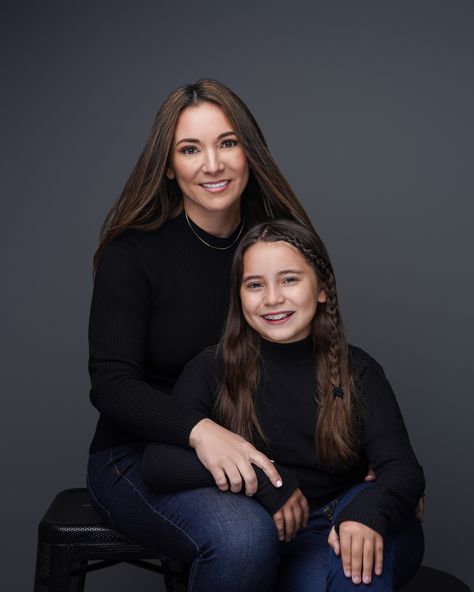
column 319, row 407
column 160, row 296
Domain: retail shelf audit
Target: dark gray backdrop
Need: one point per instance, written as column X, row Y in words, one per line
column 368, row 108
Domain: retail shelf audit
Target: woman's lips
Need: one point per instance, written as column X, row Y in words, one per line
column 217, row 186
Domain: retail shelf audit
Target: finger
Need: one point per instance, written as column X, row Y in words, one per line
column 333, row 541
column 345, row 545
column 370, row 475
column 378, row 555
column 280, row 525
column 368, row 560
column 264, row 463
column 356, row 558
column 289, row 523
column 220, row 478
column 298, row 513
column 234, row 477
column 305, row 507
column 249, row 477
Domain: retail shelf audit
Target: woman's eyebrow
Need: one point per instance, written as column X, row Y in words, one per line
column 196, row 141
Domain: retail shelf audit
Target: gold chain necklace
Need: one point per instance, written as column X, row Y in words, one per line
column 212, row 246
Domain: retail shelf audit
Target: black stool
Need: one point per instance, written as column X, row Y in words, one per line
column 71, row 535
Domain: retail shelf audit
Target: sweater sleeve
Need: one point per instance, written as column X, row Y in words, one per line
column 399, row 484
column 168, row 468
column 120, row 311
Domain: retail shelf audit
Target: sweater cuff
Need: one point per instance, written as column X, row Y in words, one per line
column 270, row 497
column 365, row 513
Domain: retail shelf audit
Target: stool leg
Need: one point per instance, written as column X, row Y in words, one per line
column 62, row 563
column 175, row 574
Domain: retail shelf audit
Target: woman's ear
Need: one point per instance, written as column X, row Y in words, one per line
column 170, row 173
column 321, row 296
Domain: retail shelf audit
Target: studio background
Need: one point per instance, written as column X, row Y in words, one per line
column 368, row 109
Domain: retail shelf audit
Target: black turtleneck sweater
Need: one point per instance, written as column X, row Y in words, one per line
column 159, row 298
column 287, row 409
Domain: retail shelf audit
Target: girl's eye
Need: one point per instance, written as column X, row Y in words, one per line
column 188, row 150
column 229, row 143
column 290, row 280
column 253, row 285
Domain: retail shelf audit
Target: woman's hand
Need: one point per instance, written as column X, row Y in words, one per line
column 292, row 516
column 361, row 550
column 229, row 457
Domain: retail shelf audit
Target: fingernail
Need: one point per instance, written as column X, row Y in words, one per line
column 378, row 571
column 279, row 483
column 366, row 579
column 347, row 573
column 356, row 580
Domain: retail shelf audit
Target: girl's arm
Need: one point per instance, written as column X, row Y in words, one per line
column 393, row 496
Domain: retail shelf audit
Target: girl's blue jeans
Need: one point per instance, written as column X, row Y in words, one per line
column 229, row 541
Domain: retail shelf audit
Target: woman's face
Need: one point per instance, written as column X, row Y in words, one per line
column 279, row 292
column 208, row 163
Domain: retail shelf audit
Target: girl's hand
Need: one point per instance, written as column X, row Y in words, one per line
column 361, row 549
column 229, row 457
column 292, row 516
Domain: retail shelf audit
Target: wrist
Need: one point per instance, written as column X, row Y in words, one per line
column 195, row 434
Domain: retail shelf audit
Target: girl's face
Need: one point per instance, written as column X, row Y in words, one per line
column 279, row 292
column 208, row 163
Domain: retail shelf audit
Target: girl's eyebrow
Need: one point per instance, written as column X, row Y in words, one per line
column 196, row 141
column 283, row 272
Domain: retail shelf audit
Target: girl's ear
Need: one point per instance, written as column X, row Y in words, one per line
column 321, row 296
column 170, row 173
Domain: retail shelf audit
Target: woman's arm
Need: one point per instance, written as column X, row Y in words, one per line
column 168, row 469
column 393, row 496
column 118, row 327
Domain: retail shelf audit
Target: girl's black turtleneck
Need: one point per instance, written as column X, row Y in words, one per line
column 287, row 408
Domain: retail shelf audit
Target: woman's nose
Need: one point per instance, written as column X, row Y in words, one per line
column 212, row 162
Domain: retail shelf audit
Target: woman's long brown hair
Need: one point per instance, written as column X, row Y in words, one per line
column 337, row 429
column 149, row 198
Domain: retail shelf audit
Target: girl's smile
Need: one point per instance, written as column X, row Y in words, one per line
column 279, row 292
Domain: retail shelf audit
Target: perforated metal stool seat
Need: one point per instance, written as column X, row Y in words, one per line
column 71, row 535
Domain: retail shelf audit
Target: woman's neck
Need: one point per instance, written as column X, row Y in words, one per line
column 221, row 223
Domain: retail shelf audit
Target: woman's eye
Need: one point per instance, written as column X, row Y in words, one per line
column 188, row 150
column 253, row 285
column 229, row 143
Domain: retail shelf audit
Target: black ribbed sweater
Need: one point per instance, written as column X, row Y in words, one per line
column 287, row 409
column 159, row 298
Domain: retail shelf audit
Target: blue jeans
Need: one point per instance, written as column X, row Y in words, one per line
column 228, row 540
column 308, row 563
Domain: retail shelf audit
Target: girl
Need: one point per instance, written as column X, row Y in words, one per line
column 284, row 377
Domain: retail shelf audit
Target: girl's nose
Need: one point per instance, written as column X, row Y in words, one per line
column 273, row 295
column 212, row 162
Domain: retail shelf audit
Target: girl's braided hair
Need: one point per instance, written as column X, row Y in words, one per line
column 337, row 430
